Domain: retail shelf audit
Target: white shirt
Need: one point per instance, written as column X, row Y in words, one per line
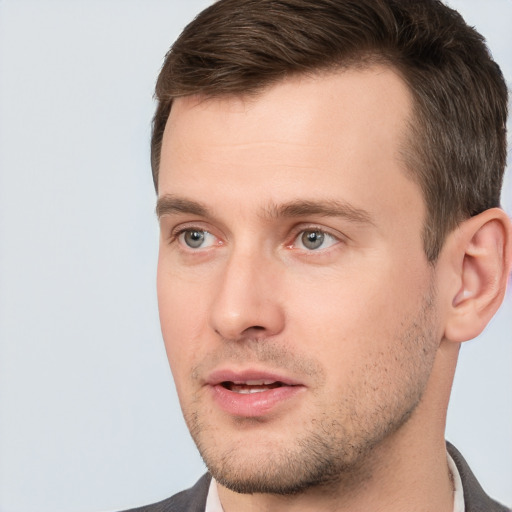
column 213, row 503
column 458, row 492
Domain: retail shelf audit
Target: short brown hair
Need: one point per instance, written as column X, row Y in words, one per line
column 456, row 148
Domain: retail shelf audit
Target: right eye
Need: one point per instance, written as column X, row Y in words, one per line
column 314, row 240
column 196, row 238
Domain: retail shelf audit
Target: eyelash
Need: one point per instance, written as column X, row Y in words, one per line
column 312, row 228
column 177, row 233
column 181, row 230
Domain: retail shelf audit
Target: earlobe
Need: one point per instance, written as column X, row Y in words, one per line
column 483, row 249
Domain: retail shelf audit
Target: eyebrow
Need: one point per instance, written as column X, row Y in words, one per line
column 171, row 204
column 323, row 208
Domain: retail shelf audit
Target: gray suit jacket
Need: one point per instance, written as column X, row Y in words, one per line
column 194, row 499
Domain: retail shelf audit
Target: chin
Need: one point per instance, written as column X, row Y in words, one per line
column 286, row 467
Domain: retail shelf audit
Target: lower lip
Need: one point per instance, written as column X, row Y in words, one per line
column 251, row 405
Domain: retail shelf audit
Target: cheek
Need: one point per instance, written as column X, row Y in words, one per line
column 182, row 318
column 352, row 316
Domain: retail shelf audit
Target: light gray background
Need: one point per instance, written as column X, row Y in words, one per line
column 88, row 416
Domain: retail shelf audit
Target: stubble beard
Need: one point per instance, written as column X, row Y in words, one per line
column 335, row 449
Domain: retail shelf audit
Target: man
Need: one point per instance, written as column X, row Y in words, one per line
column 328, row 176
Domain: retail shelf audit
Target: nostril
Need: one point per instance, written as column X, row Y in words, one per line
column 253, row 329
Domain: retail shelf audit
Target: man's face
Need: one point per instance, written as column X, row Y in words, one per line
column 296, row 302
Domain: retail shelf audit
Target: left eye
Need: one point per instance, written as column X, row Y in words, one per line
column 314, row 239
column 196, row 238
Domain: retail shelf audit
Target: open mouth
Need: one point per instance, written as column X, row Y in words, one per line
column 252, row 393
column 251, row 386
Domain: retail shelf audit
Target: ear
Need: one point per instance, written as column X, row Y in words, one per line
column 481, row 260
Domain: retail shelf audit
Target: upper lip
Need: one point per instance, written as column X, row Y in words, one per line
column 249, row 376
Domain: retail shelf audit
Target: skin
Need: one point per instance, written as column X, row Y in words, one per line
column 358, row 323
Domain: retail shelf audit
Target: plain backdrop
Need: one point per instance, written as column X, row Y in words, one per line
column 89, row 420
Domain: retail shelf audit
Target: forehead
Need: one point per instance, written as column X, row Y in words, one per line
column 306, row 135
column 330, row 103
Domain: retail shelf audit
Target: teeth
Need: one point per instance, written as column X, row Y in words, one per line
column 251, row 386
column 249, row 391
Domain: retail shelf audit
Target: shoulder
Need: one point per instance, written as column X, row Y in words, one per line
column 190, row 500
column 475, row 498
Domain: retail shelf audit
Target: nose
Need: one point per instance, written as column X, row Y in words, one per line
column 248, row 303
